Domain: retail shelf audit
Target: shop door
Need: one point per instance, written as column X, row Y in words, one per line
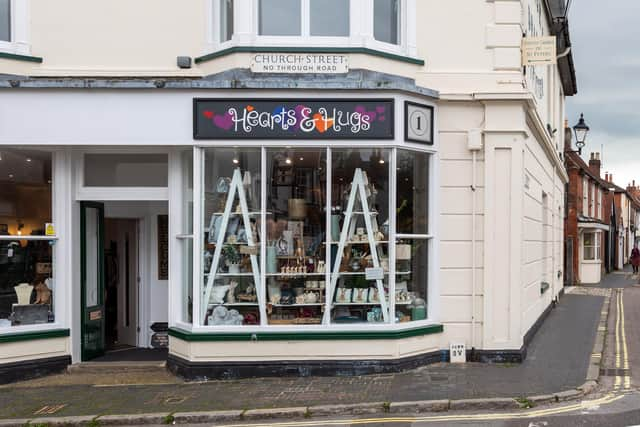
column 92, row 279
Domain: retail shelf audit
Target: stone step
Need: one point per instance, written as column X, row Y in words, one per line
column 117, row 367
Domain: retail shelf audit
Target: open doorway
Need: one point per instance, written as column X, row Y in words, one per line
column 121, row 283
column 124, row 281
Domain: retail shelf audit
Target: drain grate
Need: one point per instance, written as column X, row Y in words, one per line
column 615, row 372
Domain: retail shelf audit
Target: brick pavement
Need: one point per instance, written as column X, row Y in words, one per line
column 557, row 360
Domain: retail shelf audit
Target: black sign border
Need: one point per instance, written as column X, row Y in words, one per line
column 406, row 122
column 318, row 137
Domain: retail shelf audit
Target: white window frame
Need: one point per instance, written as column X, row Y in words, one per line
column 246, row 26
column 19, row 43
column 62, row 250
column 595, row 246
column 585, row 196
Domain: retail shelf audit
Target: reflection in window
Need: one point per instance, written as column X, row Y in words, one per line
column 186, row 245
column 280, row 18
column 226, row 20
column 329, row 18
column 26, row 269
column 231, row 210
column 5, row 20
column 296, row 223
column 412, row 192
column 386, row 21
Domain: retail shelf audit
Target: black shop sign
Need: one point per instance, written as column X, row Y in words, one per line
column 293, row 118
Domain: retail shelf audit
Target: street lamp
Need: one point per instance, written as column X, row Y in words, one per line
column 581, row 130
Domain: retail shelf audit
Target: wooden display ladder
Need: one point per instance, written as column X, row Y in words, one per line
column 235, row 187
column 358, row 189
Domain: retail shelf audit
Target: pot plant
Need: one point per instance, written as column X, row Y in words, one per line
column 232, row 258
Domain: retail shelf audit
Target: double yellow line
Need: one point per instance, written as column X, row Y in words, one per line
column 622, row 353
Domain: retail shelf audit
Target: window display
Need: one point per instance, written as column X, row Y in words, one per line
column 325, row 257
column 26, row 255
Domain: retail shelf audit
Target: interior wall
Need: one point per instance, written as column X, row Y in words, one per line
column 153, row 295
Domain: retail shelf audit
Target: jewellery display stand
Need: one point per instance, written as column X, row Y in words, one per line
column 358, row 192
column 235, row 187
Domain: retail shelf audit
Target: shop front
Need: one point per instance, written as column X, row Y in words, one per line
column 313, row 218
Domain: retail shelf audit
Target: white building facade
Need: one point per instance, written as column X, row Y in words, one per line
column 269, row 187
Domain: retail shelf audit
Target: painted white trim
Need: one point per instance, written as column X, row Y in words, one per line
column 593, row 226
column 20, row 42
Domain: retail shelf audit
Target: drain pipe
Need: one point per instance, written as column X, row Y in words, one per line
column 474, row 143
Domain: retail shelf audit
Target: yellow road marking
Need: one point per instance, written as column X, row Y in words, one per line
column 496, row 416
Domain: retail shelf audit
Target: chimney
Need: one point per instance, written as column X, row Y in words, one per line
column 567, row 136
column 594, row 164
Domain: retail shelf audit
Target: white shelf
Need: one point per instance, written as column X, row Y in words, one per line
column 361, row 213
column 295, row 274
column 359, row 242
column 235, row 304
column 231, row 274
column 315, row 304
column 366, row 303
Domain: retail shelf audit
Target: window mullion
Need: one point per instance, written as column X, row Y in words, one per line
column 305, row 10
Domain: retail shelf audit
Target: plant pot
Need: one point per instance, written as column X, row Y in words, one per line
column 234, row 268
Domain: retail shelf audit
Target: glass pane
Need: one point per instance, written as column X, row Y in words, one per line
column 296, row 232
column 186, row 245
column 26, row 282
column 226, row 20
column 412, row 205
column 589, row 252
column 5, row 20
column 92, row 219
column 25, row 192
column 386, row 21
column 280, row 18
column 588, row 239
column 359, row 235
column 412, row 276
column 329, row 18
column 232, row 184
column 126, row 170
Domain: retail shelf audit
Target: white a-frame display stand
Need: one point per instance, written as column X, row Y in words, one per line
column 358, row 190
column 235, row 187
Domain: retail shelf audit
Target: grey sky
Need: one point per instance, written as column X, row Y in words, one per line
column 605, row 50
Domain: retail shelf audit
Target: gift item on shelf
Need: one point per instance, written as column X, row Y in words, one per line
column 272, row 260
column 274, row 294
column 297, row 208
column 360, row 295
column 418, row 309
column 231, row 293
column 23, row 292
column 43, row 294
column 321, row 267
column 374, row 296
column 374, row 315
column 403, row 252
column 335, row 227
column 311, row 297
column 218, row 293
column 222, row 316
column 249, row 294
column 343, row 295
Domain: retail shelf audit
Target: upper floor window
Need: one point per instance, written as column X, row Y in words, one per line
column 5, row 20
column 387, row 25
column 386, row 21
column 329, row 18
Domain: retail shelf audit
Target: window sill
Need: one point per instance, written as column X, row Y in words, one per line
column 308, row 49
column 24, row 333
column 17, row 52
column 307, row 335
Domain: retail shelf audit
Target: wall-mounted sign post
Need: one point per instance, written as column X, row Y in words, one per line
column 539, row 51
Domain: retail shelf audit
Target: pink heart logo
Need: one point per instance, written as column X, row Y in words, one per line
column 223, row 122
column 370, row 115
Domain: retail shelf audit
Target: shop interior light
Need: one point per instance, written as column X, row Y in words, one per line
column 28, row 160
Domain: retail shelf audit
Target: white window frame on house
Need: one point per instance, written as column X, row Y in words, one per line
column 361, row 23
column 585, row 196
column 19, row 43
column 595, row 246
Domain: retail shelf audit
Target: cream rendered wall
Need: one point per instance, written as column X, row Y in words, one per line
column 456, row 220
column 36, row 349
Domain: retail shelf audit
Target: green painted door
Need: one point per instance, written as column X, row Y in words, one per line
column 92, row 279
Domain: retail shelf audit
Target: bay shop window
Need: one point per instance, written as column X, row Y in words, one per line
column 311, row 236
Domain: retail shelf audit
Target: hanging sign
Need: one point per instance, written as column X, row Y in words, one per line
column 539, row 51
column 293, row 119
column 299, row 63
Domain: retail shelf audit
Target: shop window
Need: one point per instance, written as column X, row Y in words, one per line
column 386, row 21
column 26, row 251
column 5, row 20
column 325, row 230
column 186, row 239
column 232, row 210
column 591, row 247
column 412, row 244
column 126, row 170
